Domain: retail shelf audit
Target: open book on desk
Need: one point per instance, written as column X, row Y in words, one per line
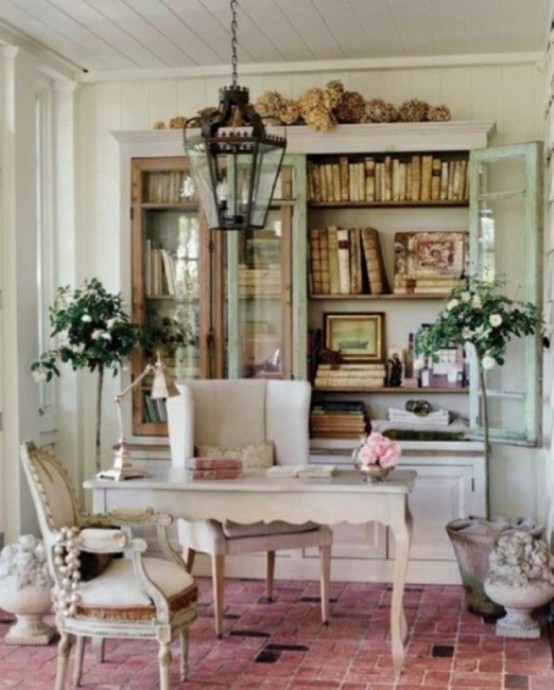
column 304, row 471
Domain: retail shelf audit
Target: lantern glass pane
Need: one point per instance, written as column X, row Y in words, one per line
column 268, row 165
column 200, row 169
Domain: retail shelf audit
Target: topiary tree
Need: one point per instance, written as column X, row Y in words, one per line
column 91, row 330
column 477, row 315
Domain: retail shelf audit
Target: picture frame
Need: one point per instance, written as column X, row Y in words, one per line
column 358, row 337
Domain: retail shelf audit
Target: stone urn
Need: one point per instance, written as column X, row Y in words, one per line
column 521, row 579
column 473, row 539
column 25, row 591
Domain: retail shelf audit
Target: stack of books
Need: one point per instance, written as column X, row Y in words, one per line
column 436, row 418
column 346, row 261
column 338, row 419
column 259, row 282
column 214, row 468
column 355, row 375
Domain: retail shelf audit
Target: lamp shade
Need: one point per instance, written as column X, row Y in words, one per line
column 163, row 385
column 235, row 169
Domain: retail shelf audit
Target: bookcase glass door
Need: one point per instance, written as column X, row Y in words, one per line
column 259, row 288
column 167, row 286
column 505, row 244
column 172, row 288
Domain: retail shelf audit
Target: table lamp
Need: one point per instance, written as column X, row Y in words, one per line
column 163, row 387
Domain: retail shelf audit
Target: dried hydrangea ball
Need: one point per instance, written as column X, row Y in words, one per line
column 314, row 111
column 267, row 105
column 209, row 110
column 413, row 110
column 159, row 124
column 289, row 112
column 438, row 113
column 321, row 120
column 333, row 93
column 351, row 108
column 378, row 110
column 177, row 122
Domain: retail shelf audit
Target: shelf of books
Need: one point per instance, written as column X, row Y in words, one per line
column 348, row 262
column 407, row 179
column 389, row 230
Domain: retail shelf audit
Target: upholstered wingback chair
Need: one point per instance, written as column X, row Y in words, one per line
column 104, row 586
column 240, row 413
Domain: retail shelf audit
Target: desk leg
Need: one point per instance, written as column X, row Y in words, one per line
column 402, row 532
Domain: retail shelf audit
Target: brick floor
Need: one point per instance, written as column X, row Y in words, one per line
column 283, row 646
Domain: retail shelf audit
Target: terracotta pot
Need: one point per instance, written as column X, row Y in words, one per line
column 473, row 539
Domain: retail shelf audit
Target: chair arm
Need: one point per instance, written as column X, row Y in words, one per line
column 145, row 517
column 148, row 517
column 70, row 541
column 96, row 541
column 103, row 540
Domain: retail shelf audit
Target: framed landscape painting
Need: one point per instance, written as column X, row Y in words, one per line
column 358, row 337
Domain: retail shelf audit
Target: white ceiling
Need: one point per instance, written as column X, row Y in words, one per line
column 115, row 35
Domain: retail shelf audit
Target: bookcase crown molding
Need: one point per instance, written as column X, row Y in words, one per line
column 378, row 138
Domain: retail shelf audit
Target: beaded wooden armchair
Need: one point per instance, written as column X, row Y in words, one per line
column 124, row 594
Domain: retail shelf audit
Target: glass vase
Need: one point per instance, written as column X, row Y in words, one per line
column 372, row 473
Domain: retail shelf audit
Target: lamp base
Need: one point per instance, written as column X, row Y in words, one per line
column 122, row 468
column 118, row 474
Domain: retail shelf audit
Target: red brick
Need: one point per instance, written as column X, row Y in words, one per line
column 351, row 653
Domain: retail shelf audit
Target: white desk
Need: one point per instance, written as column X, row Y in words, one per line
column 256, row 497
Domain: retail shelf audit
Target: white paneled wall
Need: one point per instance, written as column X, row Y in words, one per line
column 549, row 276
column 511, row 95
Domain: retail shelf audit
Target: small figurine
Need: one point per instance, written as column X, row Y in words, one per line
column 395, row 368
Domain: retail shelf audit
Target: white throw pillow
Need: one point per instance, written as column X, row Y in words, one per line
column 257, row 455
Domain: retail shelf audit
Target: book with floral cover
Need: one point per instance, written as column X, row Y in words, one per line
column 429, row 262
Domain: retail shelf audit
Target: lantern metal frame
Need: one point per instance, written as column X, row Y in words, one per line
column 234, row 162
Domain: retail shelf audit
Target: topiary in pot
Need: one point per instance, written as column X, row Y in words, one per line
column 482, row 321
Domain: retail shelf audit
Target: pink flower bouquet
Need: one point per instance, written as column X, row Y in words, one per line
column 377, row 455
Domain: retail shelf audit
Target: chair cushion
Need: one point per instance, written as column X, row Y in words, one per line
column 235, row 530
column 256, row 455
column 117, row 594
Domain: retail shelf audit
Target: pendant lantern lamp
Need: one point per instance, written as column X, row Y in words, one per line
column 234, row 162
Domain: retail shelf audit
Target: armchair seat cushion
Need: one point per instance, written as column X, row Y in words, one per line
column 236, row 530
column 116, row 594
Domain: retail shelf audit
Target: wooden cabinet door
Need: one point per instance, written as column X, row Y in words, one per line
column 171, row 280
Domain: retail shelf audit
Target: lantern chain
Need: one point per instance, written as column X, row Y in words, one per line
column 233, row 4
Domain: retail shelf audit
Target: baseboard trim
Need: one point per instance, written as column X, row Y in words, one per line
column 288, row 566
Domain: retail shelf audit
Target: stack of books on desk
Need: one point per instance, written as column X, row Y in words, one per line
column 214, row 468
